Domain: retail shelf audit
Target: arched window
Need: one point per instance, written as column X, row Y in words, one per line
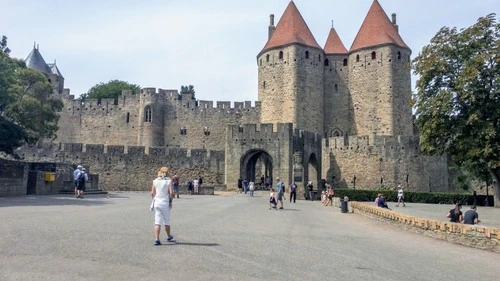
column 267, row 58
column 345, row 62
column 336, row 88
column 281, row 55
column 357, row 58
column 336, row 133
column 128, row 117
column 260, row 62
column 327, row 63
column 148, row 114
column 319, row 57
column 307, row 54
column 374, row 55
column 399, row 55
column 264, row 84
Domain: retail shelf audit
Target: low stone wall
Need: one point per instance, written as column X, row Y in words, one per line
column 486, row 238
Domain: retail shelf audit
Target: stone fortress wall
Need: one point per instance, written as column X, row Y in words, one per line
column 123, row 121
column 383, row 162
column 318, row 115
column 131, row 167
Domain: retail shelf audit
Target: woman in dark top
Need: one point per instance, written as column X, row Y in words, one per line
column 455, row 214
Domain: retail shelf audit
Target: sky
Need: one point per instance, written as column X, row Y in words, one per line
column 209, row 44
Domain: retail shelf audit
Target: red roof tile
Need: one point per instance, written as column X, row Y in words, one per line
column 377, row 29
column 333, row 44
column 291, row 29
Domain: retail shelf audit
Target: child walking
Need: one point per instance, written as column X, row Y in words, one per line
column 272, row 199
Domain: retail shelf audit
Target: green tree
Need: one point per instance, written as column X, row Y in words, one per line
column 187, row 89
column 109, row 90
column 458, row 97
column 3, row 45
column 28, row 108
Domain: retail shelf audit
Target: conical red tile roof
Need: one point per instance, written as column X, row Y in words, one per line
column 377, row 29
column 333, row 43
column 291, row 29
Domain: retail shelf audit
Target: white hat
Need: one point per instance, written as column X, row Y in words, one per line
column 79, row 167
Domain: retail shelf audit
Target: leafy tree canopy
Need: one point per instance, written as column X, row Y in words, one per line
column 458, row 96
column 109, row 90
column 28, row 108
column 187, row 89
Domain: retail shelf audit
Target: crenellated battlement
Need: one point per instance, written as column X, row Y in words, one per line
column 256, row 132
column 56, row 150
column 373, row 143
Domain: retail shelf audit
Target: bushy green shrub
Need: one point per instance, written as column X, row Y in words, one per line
column 410, row 196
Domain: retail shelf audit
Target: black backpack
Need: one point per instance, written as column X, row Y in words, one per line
column 81, row 178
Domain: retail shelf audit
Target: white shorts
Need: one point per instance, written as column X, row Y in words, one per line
column 162, row 215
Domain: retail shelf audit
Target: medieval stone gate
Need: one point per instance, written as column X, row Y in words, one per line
column 254, row 150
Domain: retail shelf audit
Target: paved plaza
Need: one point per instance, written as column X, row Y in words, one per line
column 230, row 237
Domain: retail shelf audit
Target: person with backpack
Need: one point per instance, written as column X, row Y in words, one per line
column 76, row 173
column 81, row 179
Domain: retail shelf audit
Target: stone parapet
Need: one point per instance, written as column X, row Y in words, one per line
column 485, row 238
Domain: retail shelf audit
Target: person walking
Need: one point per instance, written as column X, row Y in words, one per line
column 401, row 197
column 76, row 172
column 245, row 185
column 162, row 193
column 175, row 184
column 293, row 192
column 81, row 179
column 196, row 184
column 251, row 188
column 310, row 189
column 280, row 190
column 471, row 216
column 190, row 187
column 240, row 185
column 200, row 183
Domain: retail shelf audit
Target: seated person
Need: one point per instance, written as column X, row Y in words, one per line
column 471, row 216
column 376, row 199
column 381, row 202
column 455, row 214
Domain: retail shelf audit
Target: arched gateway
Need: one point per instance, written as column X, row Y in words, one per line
column 255, row 163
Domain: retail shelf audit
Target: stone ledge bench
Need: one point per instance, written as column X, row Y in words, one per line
column 486, row 238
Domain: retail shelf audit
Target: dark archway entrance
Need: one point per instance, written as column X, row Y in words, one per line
column 256, row 163
column 312, row 171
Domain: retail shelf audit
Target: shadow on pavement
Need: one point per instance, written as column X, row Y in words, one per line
column 58, row 200
column 194, row 244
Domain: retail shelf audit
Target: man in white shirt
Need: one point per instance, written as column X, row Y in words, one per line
column 401, row 196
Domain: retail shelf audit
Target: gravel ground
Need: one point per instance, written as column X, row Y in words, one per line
column 230, row 237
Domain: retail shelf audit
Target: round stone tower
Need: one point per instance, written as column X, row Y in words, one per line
column 291, row 74
column 380, row 77
column 338, row 104
column 151, row 119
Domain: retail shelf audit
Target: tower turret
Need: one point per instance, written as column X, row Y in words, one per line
column 291, row 74
column 337, row 105
column 380, row 77
column 36, row 61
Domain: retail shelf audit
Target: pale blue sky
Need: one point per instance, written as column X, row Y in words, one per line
column 209, row 44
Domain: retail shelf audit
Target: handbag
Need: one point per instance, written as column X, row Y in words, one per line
column 152, row 206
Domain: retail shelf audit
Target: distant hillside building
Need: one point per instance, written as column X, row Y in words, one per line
column 322, row 113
